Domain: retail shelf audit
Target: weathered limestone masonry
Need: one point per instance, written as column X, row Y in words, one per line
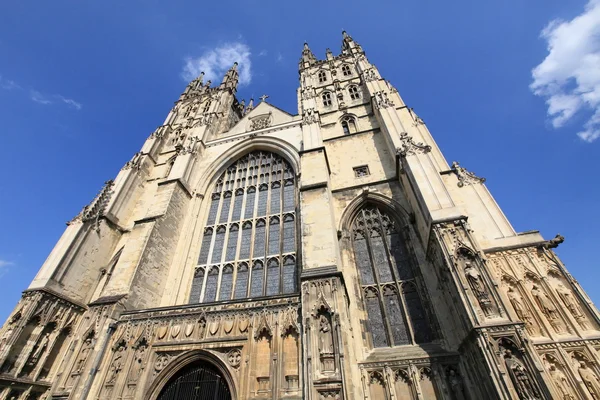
column 246, row 253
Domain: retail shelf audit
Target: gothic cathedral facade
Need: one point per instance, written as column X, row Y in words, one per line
column 247, row 253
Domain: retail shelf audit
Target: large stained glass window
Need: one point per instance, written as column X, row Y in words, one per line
column 248, row 248
column 394, row 307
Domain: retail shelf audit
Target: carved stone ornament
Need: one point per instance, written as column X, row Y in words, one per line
column 310, row 117
column 234, row 357
column 161, row 362
column 260, row 122
column 465, row 177
column 369, row 75
column 410, row 147
column 96, row 209
column 382, row 100
column 190, row 148
column 135, row 162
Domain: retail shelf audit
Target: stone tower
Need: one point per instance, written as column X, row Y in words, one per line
column 246, row 253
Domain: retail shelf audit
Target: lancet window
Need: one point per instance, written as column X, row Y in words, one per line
column 348, row 125
column 354, row 93
column 396, row 315
column 248, row 247
column 322, row 76
column 346, row 70
column 326, row 99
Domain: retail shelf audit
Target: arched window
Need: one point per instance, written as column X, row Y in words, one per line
column 346, row 70
column 249, row 242
column 206, row 106
column 322, row 76
column 348, row 125
column 354, row 93
column 326, row 99
column 395, row 312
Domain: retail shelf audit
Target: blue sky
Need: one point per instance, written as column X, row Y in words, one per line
column 82, row 84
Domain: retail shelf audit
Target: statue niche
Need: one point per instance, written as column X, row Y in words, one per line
column 84, row 351
column 18, row 346
column 556, row 371
column 522, row 310
column 476, row 281
column 325, row 342
column 589, row 378
column 567, row 298
column 521, row 378
column 547, row 308
column 58, row 349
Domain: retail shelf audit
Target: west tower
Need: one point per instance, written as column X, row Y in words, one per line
column 332, row 254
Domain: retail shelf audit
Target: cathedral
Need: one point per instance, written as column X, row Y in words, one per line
column 248, row 253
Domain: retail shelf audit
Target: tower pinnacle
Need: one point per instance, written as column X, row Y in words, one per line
column 308, row 58
column 349, row 46
column 231, row 78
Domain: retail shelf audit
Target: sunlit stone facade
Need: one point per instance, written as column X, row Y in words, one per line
column 246, row 253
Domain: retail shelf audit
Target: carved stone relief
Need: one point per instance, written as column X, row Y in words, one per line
column 547, row 308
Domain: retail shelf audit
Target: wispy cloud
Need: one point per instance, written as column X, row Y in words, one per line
column 263, row 53
column 4, row 265
column 70, row 102
column 215, row 62
column 39, row 97
column 8, row 84
column 279, row 57
column 569, row 77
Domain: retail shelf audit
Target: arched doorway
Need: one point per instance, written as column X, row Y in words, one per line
column 197, row 381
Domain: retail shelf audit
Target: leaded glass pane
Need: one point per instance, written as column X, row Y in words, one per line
column 246, row 240
column 231, row 243
column 376, row 324
column 393, row 305
column 249, row 209
column 237, row 206
column 197, row 285
column 380, row 258
column 259, row 240
column 417, row 315
column 226, row 283
column 212, row 212
column 225, row 208
column 211, row 285
column 276, row 199
column 362, row 259
column 272, row 277
column 289, row 275
column 241, row 282
column 288, row 196
column 256, row 288
column 400, row 256
column 206, row 239
column 271, row 178
column 218, row 247
column 262, row 202
column 289, row 235
column 274, row 236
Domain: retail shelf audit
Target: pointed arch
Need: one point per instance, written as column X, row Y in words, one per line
column 387, row 275
column 185, row 360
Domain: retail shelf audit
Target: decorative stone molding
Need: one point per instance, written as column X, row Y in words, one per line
column 95, row 210
column 465, row 177
column 369, row 75
column 134, row 163
column 410, row 147
column 310, row 117
column 382, row 100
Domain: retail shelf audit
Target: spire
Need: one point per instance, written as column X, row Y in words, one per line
column 328, row 54
column 194, row 85
column 349, row 46
column 230, row 80
column 308, row 58
column 250, row 106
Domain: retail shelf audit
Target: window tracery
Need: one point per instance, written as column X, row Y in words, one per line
column 348, row 125
column 248, row 247
column 395, row 311
column 322, row 77
column 354, row 93
column 326, row 99
column 346, row 70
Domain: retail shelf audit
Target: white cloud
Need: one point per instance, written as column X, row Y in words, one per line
column 279, row 57
column 263, row 53
column 215, row 62
column 8, row 84
column 36, row 96
column 4, row 267
column 569, row 77
column 70, row 102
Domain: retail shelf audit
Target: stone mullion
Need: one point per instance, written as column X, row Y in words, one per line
column 384, row 313
column 397, row 283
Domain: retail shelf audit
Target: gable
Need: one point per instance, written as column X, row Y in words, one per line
column 263, row 116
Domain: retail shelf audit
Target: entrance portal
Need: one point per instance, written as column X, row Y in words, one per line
column 198, row 381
